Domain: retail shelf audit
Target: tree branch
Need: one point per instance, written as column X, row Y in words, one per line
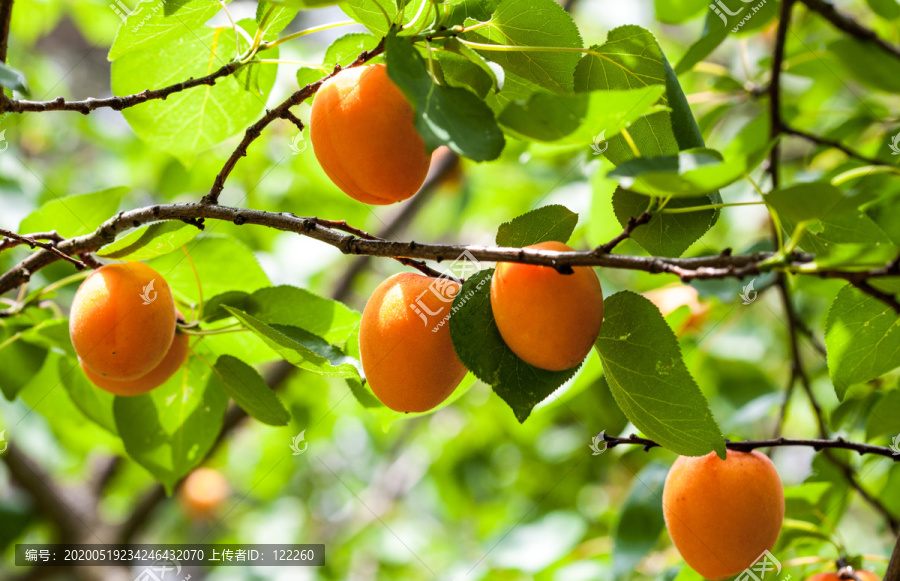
column 831, row 143
column 846, row 23
column 776, row 124
column 12, row 239
column 116, row 103
column 6, row 7
column 893, row 570
column 748, row 445
column 55, row 503
column 704, row 267
column 282, row 111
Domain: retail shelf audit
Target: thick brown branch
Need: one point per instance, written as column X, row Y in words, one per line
column 748, row 445
column 282, row 111
column 832, row 143
column 117, row 103
column 893, row 570
column 849, row 25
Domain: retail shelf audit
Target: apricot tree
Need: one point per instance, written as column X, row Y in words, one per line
column 757, row 174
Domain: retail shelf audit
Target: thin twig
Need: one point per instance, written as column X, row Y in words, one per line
column 626, row 233
column 748, row 445
column 849, row 25
column 116, row 103
column 775, row 121
column 48, row 246
column 832, row 143
column 6, row 7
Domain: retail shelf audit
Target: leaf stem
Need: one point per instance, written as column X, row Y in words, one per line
column 283, row 39
column 862, row 172
column 631, row 143
column 197, row 279
column 710, row 207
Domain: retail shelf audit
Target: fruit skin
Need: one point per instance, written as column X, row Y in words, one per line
column 203, row 492
column 722, row 515
column 363, row 134
column 550, row 320
column 410, row 367
column 173, row 360
column 113, row 332
column 863, row 576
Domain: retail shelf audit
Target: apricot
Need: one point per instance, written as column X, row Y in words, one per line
column 722, row 514
column 203, row 492
column 407, row 355
column 157, row 376
column 122, row 321
column 550, row 320
column 863, row 576
column 364, row 135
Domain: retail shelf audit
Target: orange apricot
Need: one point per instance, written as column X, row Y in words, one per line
column 863, row 576
column 364, row 135
column 122, row 321
column 722, row 514
column 203, row 492
column 157, row 376
column 407, row 354
column 550, row 320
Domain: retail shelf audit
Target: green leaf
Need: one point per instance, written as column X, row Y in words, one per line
column 880, row 70
column 20, row 361
column 667, row 235
column 640, row 520
column 249, row 390
column 583, row 119
column 282, row 14
column 552, row 222
column 367, row 13
column 170, row 430
column 809, row 201
column 10, row 78
column 532, row 23
column 342, row 51
column 74, row 215
column 475, row 10
column 297, row 307
column 862, row 336
column 649, row 380
column 716, row 30
column 150, row 241
column 630, row 58
column 147, row 28
column 222, row 263
column 301, row 348
column 213, row 308
column 887, row 9
column 885, row 212
column 194, row 120
column 93, row 402
column 444, row 115
column 464, row 67
column 884, row 418
column 678, row 11
column 481, row 349
column 688, row 174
